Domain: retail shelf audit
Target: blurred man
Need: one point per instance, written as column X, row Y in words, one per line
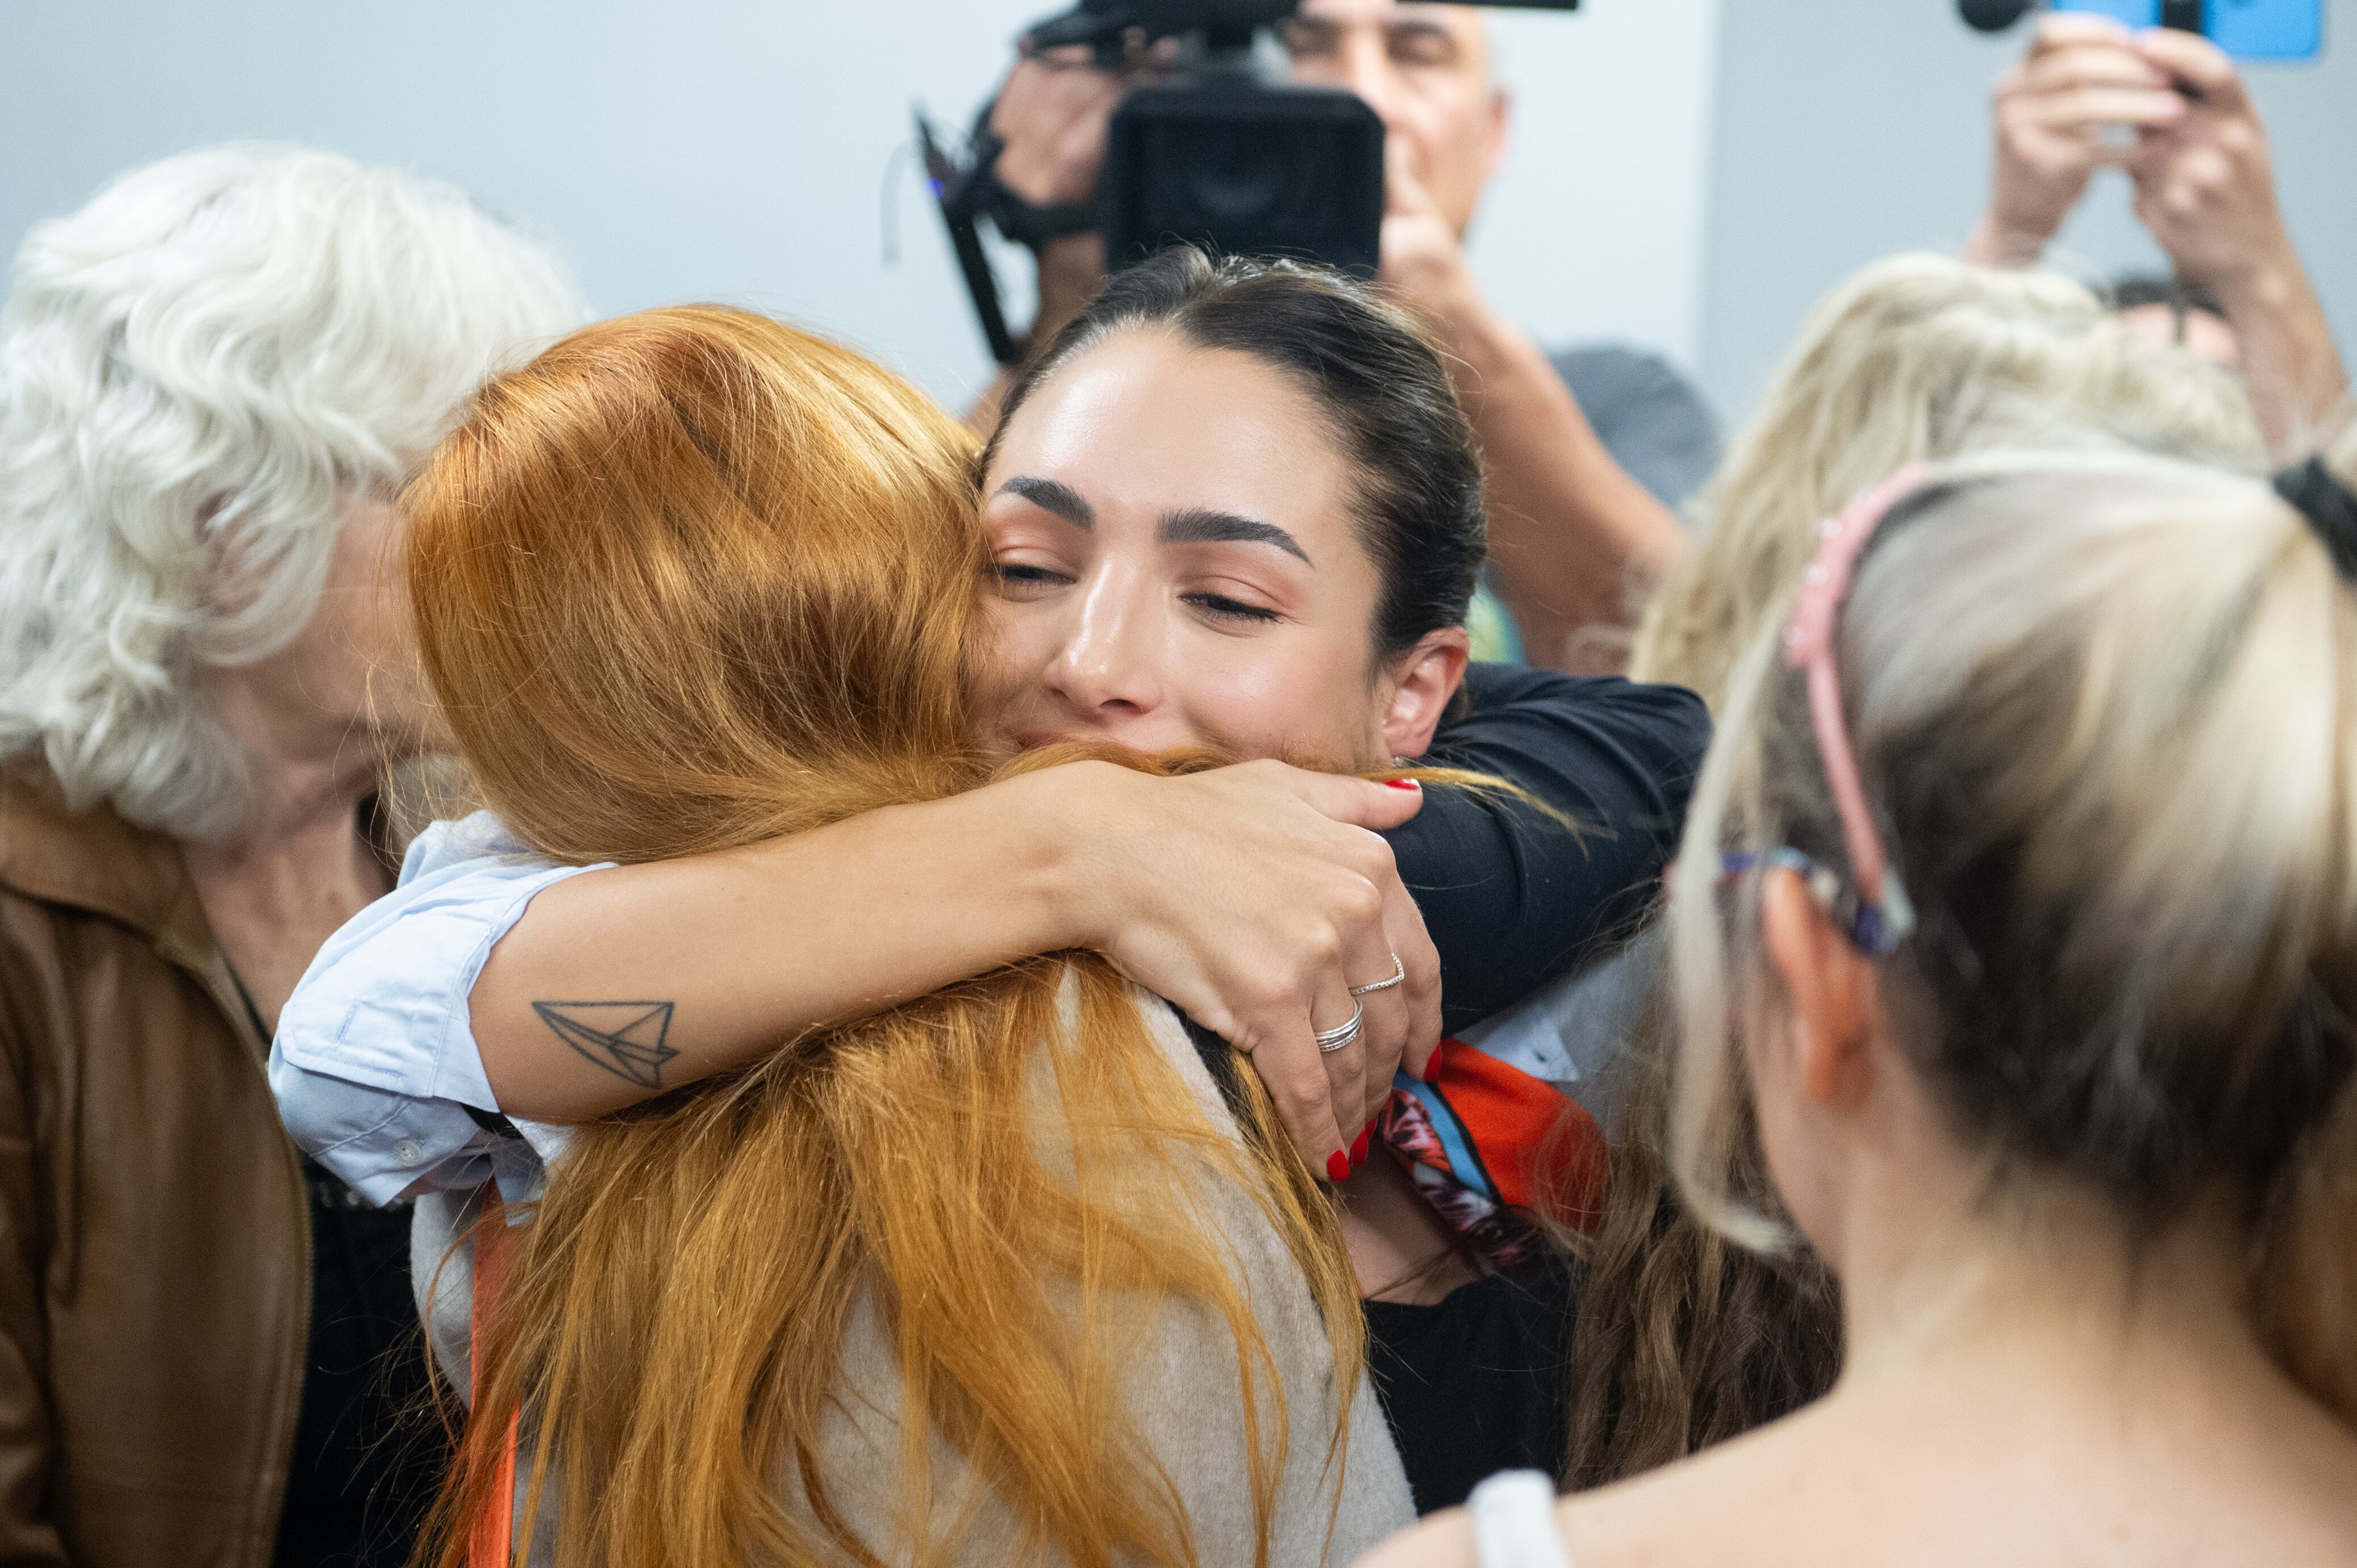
column 1586, row 453
column 2204, row 187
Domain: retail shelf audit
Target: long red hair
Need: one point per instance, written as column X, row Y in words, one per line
column 692, row 579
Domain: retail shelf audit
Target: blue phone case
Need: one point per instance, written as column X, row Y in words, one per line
column 2247, row 29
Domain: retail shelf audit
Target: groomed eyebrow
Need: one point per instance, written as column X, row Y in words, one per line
column 1196, row 526
column 1052, row 495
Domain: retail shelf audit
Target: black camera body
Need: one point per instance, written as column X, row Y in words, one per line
column 1244, row 167
column 1223, row 154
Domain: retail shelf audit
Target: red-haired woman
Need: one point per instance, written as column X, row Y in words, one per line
column 1233, row 508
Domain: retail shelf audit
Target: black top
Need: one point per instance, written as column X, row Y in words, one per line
column 1510, row 898
column 1478, row 1382
column 369, row 1448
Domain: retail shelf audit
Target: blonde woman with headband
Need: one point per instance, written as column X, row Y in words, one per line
column 2019, row 898
column 1682, row 1341
column 1919, row 357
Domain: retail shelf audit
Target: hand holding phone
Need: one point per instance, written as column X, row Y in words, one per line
column 2205, row 185
column 2056, row 110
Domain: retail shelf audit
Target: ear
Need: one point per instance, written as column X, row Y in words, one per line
column 1834, row 996
column 1423, row 681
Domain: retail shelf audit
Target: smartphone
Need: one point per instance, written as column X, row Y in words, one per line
column 2247, row 29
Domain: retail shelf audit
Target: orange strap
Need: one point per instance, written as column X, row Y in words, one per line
column 491, row 1544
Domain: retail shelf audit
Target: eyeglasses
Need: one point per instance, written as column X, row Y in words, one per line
column 1872, row 929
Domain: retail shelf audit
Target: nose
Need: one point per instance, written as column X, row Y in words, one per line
column 1367, row 70
column 1105, row 672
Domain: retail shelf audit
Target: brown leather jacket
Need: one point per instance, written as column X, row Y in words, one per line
column 155, row 1231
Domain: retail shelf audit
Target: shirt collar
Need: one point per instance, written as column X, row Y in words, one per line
column 94, row 860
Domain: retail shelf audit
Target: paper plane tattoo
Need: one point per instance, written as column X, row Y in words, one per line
column 626, row 1038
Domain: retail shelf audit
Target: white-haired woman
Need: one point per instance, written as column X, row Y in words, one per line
column 212, row 380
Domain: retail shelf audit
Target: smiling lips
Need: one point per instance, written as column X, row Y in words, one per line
column 1032, row 740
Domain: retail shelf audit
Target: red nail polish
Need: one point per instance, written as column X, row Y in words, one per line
column 1432, row 1067
column 1402, row 784
column 1337, row 1166
column 1359, row 1149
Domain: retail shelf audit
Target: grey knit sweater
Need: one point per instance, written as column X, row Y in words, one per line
column 1182, row 1393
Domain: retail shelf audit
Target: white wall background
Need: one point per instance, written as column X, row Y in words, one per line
column 738, row 149
column 1685, row 174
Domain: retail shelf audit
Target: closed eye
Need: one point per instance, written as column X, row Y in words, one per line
column 1023, row 580
column 1222, row 608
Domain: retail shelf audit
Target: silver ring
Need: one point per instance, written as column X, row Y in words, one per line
column 1399, row 973
column 1330, row 1040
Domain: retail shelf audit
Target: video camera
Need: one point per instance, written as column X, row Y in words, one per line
column 1222, row 154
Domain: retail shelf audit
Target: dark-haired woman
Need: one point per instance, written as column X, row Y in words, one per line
column 1235, row 506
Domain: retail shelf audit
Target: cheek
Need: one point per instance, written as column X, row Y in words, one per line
column 1295, row 698
column 1009, row 648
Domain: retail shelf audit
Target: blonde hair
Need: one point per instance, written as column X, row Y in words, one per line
column 194, row 368
column 2103, row 710
column 693, row 579
column 1919, row 357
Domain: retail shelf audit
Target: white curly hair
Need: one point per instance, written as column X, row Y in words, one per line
column 195, row 369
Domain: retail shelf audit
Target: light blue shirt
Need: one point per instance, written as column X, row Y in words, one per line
column 375, row 1065
column 378, row 1074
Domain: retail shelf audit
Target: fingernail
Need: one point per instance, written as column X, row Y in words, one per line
column 1337, row 1166
column 1432, row 1067
column 1359, row 1150
column 1402, row 784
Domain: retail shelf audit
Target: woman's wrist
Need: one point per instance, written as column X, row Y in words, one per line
column 1998, row 242
column 1041, row 862
column 2269, row 285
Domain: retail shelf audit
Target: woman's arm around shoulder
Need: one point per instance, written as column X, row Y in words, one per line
column 493, row 984
column 1512, row 899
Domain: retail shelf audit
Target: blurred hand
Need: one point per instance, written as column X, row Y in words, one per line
column 1053, row 112
column 1422, row 261
column 1254, row 897
column 2054, row 109
column 2205, row 186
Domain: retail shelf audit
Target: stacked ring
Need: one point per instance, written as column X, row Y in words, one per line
column 1335, row 1039
column 1399, row 973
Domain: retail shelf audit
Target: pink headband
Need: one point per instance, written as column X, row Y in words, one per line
column 1809, row 646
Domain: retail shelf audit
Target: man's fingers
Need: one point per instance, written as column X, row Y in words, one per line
column 1404, row 189
column 2105, row 65
column 2065, row 29
column 2193, row 59
column 2089, row 108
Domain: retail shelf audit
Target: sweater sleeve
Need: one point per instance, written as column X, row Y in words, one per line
column 1511, row 897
